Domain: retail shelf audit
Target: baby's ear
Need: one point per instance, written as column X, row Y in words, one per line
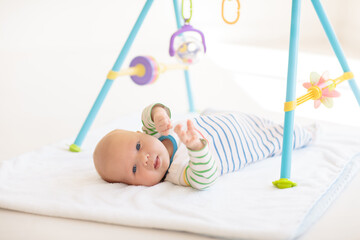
column 138, row 132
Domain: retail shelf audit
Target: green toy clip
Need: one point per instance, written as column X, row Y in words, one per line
column 74, row 148
column 187, row 20
column 284, row 183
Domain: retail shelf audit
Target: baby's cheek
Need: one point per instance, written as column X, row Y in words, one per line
column 147, row 179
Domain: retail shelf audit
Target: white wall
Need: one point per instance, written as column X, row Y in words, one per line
column 98, row 24
column 267, row 23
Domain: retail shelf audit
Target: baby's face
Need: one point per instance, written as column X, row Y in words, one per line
column 133, row 158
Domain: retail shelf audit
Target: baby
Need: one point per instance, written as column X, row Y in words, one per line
column 210, row 146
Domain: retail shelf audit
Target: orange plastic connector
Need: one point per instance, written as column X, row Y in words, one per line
column 238, row 12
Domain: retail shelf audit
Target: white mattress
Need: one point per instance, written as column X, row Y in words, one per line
column 242, row 205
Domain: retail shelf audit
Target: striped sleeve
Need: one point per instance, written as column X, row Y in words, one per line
column 148, row 125
column 202, row 170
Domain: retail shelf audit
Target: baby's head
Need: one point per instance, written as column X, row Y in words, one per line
column 133, row 158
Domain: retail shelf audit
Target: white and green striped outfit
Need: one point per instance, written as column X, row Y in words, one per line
column 233, row 140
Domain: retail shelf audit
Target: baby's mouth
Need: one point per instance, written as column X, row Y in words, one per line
column 157, row 162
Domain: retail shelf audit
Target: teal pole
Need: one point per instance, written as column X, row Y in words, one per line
column 186, row 72
column 335, row 45
column 75, row 147
column 284, row 181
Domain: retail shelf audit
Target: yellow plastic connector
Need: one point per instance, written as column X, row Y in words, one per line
column 344, row 77
column 289, row 106
column 138, row 70
column 315, row 92
column 112, row 75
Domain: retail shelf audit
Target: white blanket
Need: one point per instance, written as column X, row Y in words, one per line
column 56, row 182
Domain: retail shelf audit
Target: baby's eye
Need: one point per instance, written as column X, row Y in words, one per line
column 134, row 169
column 138, row 146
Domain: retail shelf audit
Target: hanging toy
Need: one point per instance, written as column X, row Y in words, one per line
column 326, row 87
column 237, row 12
column 144, row 70
column 321, row 89
column 187, row 48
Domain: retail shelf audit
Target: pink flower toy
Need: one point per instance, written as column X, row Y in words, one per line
column 326, row 87
column 321, row 89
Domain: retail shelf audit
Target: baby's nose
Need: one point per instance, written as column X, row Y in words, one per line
column 145, row 159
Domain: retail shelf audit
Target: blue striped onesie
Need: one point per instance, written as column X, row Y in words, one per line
column 238, row 139
column 232, row 140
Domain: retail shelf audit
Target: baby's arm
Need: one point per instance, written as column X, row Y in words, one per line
column 156, row 119
column 202, row 171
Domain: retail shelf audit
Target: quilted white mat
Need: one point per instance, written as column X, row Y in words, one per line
column 242, row 205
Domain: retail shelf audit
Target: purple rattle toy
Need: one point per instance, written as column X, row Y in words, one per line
column 151, row 70
column 188, row 50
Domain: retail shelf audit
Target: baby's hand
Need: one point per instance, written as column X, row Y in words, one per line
column 162, row 120
column 189, row 137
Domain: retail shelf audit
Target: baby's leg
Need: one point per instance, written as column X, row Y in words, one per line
column 239, row 139
column 302, row 136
